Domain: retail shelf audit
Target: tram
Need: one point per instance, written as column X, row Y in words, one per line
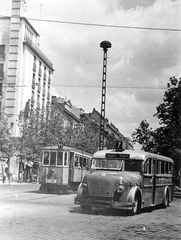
column 62, row 170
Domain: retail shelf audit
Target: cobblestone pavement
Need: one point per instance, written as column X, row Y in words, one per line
column 26, row 214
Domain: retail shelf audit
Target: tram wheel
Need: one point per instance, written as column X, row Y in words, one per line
column 85, row 208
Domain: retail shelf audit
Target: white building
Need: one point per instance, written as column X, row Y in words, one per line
column 25, row 72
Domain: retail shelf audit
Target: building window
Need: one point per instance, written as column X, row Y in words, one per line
column 2, row 51
column 1, row 70
column 34, row 63
column 1, row 85
column 40, row 71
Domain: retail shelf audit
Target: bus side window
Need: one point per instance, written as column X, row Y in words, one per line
column 60, row 158
column 53, row 158
column 148, row 166
column 46, row 158
column 162, row 167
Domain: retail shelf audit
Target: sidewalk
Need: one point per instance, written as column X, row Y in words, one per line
column 177, row 192
column 17, row 183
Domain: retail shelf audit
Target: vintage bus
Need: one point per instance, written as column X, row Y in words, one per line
column 127, row 179
column 62, row 169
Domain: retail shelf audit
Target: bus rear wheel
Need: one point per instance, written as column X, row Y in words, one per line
column 137, row 205
column 166, row 199
column 85, row 208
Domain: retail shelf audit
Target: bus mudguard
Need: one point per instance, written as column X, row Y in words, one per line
column 131, row 195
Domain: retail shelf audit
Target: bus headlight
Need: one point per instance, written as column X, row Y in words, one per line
column 120, row 189
column 84, row 186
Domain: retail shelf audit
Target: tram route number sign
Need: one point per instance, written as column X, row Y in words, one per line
column 117, row 155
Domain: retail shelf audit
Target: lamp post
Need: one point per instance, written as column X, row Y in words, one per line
column 105, row 45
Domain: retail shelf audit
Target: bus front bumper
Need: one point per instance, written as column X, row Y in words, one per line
column 103, row 203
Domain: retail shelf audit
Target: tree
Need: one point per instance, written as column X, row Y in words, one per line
column 166, row 139
column 144, row 135
column 7, row 141
column 87, row 136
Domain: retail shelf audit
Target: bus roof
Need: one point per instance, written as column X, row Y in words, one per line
column 66, row 148
column 134, row 154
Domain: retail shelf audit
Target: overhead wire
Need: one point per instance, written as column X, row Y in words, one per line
column 105, row 25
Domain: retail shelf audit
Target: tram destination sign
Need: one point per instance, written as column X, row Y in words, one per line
column 117, row 155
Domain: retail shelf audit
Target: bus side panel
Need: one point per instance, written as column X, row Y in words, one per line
column 147, row 190
column 161, row 183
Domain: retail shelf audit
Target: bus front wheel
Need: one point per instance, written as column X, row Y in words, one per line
column 137, row 205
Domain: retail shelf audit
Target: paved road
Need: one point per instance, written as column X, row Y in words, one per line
column 26, row 214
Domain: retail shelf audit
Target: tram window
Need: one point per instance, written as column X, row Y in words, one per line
column 52, row 158
column 65, row 159
column 46, row 158
column 81, row 162
column 60, row 158
column 76, row 161
column 84, row 162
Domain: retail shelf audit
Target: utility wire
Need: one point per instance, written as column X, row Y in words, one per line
column 94, row 86
column 105, row 25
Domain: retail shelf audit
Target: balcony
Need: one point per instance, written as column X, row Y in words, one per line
column 49, row 80
column 45, row 76
column 40, row 71
column 39, row 87
column 34, row 66
column 32, row 101
column 44, row 91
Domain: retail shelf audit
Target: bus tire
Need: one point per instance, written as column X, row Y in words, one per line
column 137, row 204
column 85, row 208
column 166, row 198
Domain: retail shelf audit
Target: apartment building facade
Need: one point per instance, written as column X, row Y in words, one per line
column 25, row 71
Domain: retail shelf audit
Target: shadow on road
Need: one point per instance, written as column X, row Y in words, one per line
column 115, row 212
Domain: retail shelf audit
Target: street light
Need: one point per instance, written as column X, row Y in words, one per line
column 105, row 45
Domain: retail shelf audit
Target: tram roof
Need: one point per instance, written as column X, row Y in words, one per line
column 134, row 154
column 66, row 148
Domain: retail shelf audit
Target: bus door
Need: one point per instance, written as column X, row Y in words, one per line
column 154, row 171
column 71, row 168
column 149, row 182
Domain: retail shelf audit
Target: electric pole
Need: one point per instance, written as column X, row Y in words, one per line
column 105, row 45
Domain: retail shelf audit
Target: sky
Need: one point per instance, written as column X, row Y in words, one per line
column 139, row 63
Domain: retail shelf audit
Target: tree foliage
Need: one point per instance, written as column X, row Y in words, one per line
column 7, row 141
column 166, row 139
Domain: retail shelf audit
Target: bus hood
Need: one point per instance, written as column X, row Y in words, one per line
column 103, row 183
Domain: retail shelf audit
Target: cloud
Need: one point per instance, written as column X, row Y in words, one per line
column 137, row 57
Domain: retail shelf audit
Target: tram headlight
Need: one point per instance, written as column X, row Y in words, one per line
column 120, row 189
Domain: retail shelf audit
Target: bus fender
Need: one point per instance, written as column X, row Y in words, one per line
column 132, row 193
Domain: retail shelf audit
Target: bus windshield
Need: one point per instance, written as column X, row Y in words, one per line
column 117, row 164
column 107, row 164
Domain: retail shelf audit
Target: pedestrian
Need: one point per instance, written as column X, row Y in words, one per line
column 4, row 166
